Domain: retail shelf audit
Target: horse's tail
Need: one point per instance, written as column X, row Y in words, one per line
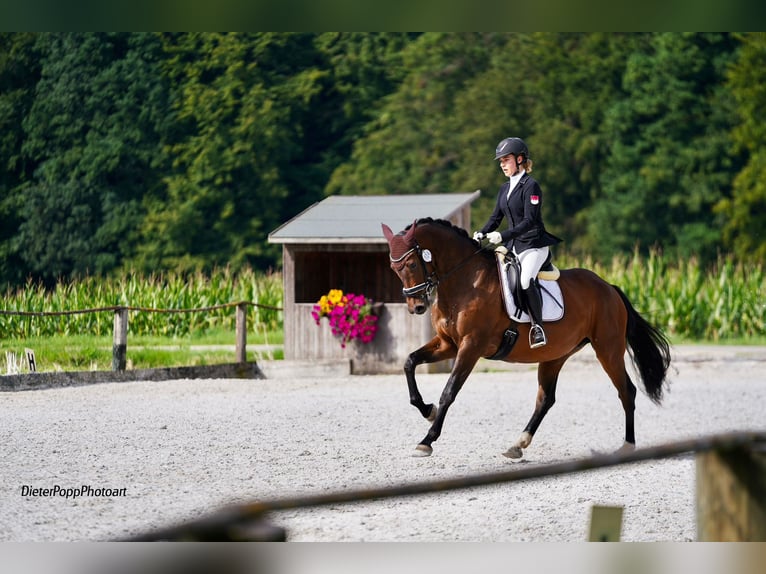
column 649, row 350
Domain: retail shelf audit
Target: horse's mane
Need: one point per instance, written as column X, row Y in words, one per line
column 443, row 223
column 449, row 225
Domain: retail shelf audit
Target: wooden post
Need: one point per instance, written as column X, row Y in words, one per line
column 120, row 340
column 605, row 524
column 241, row 346
column 731, row 496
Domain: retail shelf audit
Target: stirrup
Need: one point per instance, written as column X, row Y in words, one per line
column 536, row 337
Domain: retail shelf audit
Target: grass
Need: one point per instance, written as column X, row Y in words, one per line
column 94, row 353
column 754, row 341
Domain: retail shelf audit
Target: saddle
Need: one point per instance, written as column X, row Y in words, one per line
column 510, row 270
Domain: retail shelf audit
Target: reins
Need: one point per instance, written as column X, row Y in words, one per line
column 464, row 261
column 432, row 280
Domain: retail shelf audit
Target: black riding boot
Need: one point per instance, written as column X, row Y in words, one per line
column 535, row 309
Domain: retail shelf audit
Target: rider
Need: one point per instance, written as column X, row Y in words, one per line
column 520, row 201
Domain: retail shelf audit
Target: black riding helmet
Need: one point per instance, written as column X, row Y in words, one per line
column 516, row 146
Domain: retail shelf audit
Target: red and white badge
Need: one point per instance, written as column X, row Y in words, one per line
column 534, row 199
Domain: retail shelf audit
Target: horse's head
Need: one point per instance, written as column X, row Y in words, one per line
column 409, row 262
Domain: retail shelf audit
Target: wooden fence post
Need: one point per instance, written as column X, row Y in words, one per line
column 731, row 496
column 120, row 339
column 241, row 346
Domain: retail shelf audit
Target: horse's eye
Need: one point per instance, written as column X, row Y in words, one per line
column 413, row 266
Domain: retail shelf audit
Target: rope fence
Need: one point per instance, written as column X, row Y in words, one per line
column 131, row 308
column 120, row 332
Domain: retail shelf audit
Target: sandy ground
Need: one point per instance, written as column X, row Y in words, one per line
column 180, row 449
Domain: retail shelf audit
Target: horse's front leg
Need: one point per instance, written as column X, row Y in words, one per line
column 437, row 349
column 464, row 364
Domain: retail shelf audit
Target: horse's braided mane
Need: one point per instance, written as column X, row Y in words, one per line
column 443, row 223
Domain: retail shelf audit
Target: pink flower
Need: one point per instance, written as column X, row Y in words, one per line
column 350, row 316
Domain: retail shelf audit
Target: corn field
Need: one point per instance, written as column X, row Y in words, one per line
column 156, row 291
column 726, row 301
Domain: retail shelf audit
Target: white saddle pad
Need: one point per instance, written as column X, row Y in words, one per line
column 553, row 301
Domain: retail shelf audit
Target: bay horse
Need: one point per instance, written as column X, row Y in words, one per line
column 469, row 319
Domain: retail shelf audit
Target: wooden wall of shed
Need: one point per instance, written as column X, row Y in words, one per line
column 399, row 333
column 357, row 268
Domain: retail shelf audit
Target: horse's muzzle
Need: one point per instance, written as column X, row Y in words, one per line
column 421, row 294
column 419, row 308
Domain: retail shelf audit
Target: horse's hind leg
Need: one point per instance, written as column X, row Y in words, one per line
column 613, row 362
column 547, row 377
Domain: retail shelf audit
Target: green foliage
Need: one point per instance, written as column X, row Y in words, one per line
column 180, row 152
column 745, row 210
column 238, row 99
column 19, row 74
column 91, row 134
column 670, row 150
column 362, row 69
column 410, row 145
column 687, row 299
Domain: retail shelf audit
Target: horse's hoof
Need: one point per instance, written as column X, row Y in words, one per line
column 513, row 452
column 432, row 415
column 626, row 448
column 422, row 450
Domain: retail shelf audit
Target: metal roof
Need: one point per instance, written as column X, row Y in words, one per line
column 357, row 218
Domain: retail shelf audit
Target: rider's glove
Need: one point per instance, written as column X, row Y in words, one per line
column 494, row 237
column 478, row 236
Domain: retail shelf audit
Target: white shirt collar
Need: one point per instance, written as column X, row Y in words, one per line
column 514, row 180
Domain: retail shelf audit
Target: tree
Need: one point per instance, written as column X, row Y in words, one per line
column 409, row 147
column 19, row 74
column 363, row 68
column 745, row 211
column 670, row 160
column 92, row 135
column 239, row 106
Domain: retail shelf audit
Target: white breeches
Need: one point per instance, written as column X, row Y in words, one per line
column 531, row 260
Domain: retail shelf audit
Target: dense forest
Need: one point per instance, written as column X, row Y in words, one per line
column 143, row 152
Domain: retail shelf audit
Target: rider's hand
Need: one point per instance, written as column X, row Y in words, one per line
column 478, row 236
column 494, row 237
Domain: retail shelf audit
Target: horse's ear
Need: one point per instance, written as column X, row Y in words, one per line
column 387, row 233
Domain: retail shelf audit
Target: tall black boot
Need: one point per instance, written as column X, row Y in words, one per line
column 535, row 309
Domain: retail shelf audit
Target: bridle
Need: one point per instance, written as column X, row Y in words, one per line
column 431, row 280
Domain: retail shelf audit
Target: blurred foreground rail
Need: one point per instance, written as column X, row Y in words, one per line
column 730, row 492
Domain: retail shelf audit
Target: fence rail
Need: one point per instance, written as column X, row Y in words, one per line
column 120, row 332
column 726, row 464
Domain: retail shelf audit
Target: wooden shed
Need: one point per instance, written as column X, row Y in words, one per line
column 338, row 244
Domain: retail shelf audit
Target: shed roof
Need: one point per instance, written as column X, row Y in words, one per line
column 357, row 218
